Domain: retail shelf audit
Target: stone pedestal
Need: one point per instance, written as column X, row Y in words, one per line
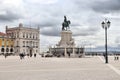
column 66, row 39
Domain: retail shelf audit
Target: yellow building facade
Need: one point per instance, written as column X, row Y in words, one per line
column 6, row 44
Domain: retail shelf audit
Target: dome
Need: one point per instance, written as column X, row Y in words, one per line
column 20, row 25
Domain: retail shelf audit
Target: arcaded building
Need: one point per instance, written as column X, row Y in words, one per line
column 26, row 39
column 6, row 44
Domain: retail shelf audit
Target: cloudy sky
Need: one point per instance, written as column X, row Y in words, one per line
column 85, row 16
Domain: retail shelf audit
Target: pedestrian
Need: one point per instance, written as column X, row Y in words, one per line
column 20, row 55
column 23, row 55
column 68, row 54
column 28, row 55
column 117, row 57
column 5, row 55
column 114, row 57
column 34, row 54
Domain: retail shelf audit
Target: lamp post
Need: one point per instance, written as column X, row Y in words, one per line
column 106, row 25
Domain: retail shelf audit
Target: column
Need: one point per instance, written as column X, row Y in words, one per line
column 74, row 55
column 65, row 53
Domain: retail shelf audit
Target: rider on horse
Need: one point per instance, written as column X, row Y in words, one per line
column 65, row 24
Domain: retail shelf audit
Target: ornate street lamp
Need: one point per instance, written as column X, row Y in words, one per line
column 106, row 25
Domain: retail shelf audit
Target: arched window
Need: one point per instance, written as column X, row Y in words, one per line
column 36, row 44
column 7, row 43
column 17, row 34
column 23, row 43
column 36, row 36
column 30, row 35
column 23, row 35
column 11, row 50
column 2, row 50
column 26, row 35
column 3, row 42
column 7, row 49
column 17, row 43
column 33, row 36
column 27, row 43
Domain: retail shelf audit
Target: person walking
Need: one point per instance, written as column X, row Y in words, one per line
column 35, row 55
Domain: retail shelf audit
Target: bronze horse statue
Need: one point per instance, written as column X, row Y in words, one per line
column 65, row 24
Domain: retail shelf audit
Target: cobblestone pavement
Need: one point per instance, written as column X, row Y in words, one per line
column 88, row 68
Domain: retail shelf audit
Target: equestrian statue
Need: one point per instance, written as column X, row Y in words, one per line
column 65, row 24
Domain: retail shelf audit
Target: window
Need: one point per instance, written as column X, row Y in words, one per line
column 36, row 44
column 26, row 35
column 36, row 36
column 33, row 44
column 24, row 51
column 2, row 42
column 7, row 43
column 33, row 36
column 30, row 35
column 17, row 34
column 12, row 34
column 23, row 35
column 17, row 43
column 17, row 50
column 26, row 43
column 27, row 50
column 30, row 43
column 23, row 43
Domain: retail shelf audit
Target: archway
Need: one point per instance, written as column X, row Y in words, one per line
column 7, row 49
column 2, row 50
column 11, row 50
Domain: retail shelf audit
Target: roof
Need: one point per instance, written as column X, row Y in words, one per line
column 2, row 34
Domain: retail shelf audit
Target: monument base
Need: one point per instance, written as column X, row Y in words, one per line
column 68, row 52
column 66, row 39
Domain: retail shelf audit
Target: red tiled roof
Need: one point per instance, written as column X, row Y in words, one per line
column 2, row 34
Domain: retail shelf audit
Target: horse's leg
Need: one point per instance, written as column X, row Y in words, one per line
column 68, row 28
column 62, row 28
